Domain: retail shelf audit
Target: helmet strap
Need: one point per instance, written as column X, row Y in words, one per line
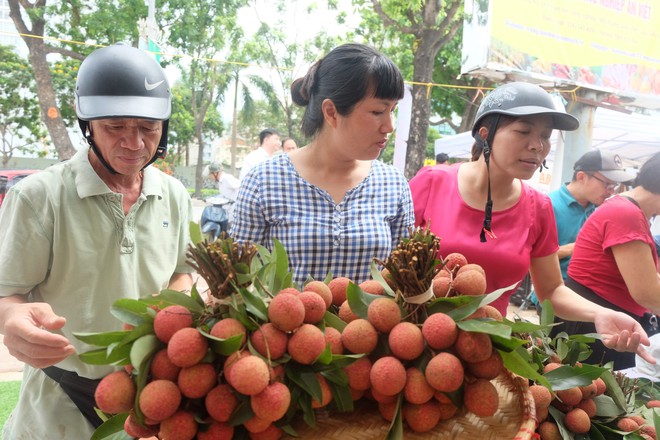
column 486, row 230
column 87, row 133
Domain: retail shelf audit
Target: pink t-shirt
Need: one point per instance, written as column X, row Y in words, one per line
column 525, row 230
column 616, row 221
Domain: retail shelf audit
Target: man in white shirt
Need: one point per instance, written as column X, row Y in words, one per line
column 227, row 186
column 269, row 141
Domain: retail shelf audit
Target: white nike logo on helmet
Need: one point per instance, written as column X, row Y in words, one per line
column 149, row 86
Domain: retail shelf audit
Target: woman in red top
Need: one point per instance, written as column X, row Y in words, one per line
column 516, row 231
column 615, row 263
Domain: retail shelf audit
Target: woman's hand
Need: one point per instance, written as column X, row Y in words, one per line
column 622, row 333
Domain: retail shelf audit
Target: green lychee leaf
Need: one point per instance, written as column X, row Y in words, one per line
column 490, row 327
column 170, row 297
column 332, row 320
column 196, row 235
column 566, row 377
column 378, row 276
column 605, row 407
column 102, row 357
column 341, row 397
column 359, row 300
column 131, row 311
column 103, row 339
column 221, row 346
column 395, row 432
column 254, row 303
column 112, row 429
column 517, row 362
column 614, row 390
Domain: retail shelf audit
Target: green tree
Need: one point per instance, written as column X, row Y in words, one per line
column 60, row 28
column 425, row 26
column 202, row 30
column 20, row 126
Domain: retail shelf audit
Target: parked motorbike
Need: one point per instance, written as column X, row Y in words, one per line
column 215, row 218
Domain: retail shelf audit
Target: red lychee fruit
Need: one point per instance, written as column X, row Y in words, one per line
column 135, row 429
column 488, row 369
column 571, row 396
column 454, row 260
column 480, row 398
column 286, row 312
column 221, row 402
column 196, row 381
column 314, row 306
column 541, row 395
column 228, row 327
column 423, row 417
column 345, row 313
column 406, row 341
column 384, row 313
column 444, row 372
column 271, row 432
column 439, row 331
column 441, row 286
column 180, row 426
column 600, row 386
column 306, row 344
column 269, row 341
column 249, row 375
column 473, row 346
column 333, row 337
column 272, row 403
column 373, row 287
column 358, row 374
column 447, row 410
column 162, row 367
column 388, row 375
column 627, row 424
column 322, row 290
column 589, row 406
column 469, row 282
column 359, row 336
column 338, row 288
column 115, row 393
column 187, row 347
column 232, row 359
column 171, row 319
column 291, row 290
column 417, row 389
column 256, row 425
column 492, row 312
column 549, row 431
column 577, row 421
column 471, row 266
column 216, row 431
column 387, row 410
column 326, row 393
column 387, row 276
column 159, row 399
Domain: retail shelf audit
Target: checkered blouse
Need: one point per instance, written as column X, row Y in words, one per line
column 319, row 235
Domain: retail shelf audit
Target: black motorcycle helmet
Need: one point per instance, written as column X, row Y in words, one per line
column 121, row 81
column 514, row 99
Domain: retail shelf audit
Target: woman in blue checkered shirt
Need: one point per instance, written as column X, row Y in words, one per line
column 332, row 204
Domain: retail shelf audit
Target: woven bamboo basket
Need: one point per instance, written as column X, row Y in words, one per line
column 515, row 419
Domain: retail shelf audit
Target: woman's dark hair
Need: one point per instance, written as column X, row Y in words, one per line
column 346, row 75
column 649, row 175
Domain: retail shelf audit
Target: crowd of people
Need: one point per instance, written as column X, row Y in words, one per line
column 107, row 225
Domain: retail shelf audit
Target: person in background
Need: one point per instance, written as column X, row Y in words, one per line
column 86, row 232
column 596, row 176
column 615, row 263
column 441, row 159
column 269, row 144
column 485, row 211
column 332, row 204
column 288, row 145
column 228, row 186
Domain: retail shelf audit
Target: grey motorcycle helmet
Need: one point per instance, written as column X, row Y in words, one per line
column 523, row 99
column 514, row 99
column 120, row 81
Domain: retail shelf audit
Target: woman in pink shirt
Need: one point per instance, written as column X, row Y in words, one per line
column 515, row 233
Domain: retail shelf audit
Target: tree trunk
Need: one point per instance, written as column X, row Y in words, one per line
column 37, row 50
column 234, row 127
column 421, row 108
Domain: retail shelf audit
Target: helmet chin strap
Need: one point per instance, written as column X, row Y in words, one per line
column 486, row 230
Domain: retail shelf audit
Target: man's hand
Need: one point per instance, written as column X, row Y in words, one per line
column 27, row 329
column 622, row 333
